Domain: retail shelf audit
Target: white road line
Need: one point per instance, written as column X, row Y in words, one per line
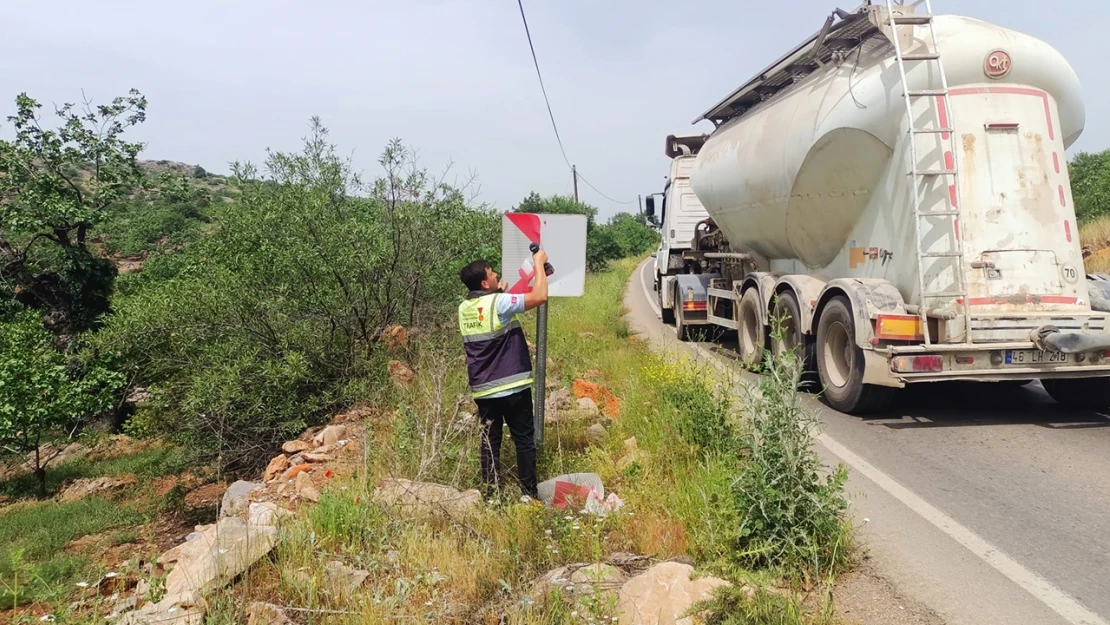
column 1043, row 590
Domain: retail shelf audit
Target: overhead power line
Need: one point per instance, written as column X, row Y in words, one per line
column 550, row 114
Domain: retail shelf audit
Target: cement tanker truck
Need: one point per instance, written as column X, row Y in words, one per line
column 895, row 191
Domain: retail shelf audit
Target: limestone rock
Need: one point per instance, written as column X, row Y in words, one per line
column 596, row 434
column 265, row 513
column 588, row 406
column 294, row 471
column 426, row 499
column 662, row 594
column 305, row 489
column 260, row 613
column 343, row 580
column 237, row 498
column 311, row 457
column 559, row 401
column 597, row 584
column 101, row 486
column 295, row 447
column 330, row 435
column 276, row 467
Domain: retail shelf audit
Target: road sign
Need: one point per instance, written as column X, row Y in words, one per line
column 563, row 237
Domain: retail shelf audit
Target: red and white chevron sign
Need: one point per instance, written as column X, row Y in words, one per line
column 563, row 237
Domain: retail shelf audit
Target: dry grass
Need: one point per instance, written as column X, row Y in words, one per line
column 1095, row 238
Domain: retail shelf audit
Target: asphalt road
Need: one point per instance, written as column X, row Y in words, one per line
column 985, row 505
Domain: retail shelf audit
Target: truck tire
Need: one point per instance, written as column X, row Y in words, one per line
column 840, row 363
column 668, row 315
column 1092, row 393
column 680, row 327
column 793, row 338
column 751, row 334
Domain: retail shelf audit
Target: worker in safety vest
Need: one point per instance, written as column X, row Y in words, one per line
column 500, row 367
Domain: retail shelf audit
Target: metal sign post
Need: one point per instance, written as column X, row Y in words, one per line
column 563, row 237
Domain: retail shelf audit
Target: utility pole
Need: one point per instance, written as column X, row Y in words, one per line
column 574, row 171
column 640, row 202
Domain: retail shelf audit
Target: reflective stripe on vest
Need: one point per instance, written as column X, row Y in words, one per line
column 497, row 354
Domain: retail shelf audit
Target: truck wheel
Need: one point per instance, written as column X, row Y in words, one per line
column 751, row 334
column 1090, row 393
column 840, row 363
column 680, row 327
column 668, row 315
column 793, row 339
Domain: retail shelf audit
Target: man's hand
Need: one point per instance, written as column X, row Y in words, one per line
column 540, row 257
column 503, row 286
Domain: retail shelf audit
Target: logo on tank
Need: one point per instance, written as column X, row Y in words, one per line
column 998, row 64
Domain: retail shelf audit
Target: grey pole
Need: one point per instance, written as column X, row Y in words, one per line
column 541, row 373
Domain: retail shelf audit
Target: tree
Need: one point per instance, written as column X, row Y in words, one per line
column 632, row 234
column 42, row 394
column 1090, row 184
column 55, row 185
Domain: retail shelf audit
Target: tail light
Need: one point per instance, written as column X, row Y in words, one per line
column 918, row 364
column 694, row 306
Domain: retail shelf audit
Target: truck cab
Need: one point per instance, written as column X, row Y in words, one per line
column 676, row 218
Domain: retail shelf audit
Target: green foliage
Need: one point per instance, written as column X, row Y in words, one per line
column 252, row 332
column 1090, row 185
column 40, row 392
column 702, row 412
column 47, row 207
column 792, row 516
column 199, row 172
column 632, row 235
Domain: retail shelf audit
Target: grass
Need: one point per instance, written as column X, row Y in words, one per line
column 1095, row 235
column 679, row 493
column 144, row 464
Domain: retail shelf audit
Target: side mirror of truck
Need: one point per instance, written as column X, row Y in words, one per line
column 649, row 209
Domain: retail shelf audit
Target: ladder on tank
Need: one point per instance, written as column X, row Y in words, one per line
column 948, row 168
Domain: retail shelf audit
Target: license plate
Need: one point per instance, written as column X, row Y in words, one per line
column 1034, row 357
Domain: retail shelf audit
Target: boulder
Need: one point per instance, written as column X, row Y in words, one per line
column 559, row 401
column 330, row 435
column 597, row 584
column 295, row 447
column 596, row 434
column 260, row 613
column 662, row 594
column 221, row 552
column 588, row 406
column 305, row 489
column 265, row 513
column 277, row 466
column 342, row 580
column 294, row 471
column 426, row 499
column 100, row 486
column 311, row 457
column 237, row 498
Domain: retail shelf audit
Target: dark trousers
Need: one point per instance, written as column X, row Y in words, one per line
column 516, row 411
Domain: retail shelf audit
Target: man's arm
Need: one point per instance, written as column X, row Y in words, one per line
column 538, row 296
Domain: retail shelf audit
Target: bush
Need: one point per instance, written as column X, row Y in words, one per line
column 791, row 516
column 1090, row 184
column 254, row 331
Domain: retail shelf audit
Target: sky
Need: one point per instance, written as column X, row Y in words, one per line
column 454, row 79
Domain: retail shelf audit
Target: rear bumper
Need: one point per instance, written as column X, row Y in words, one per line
column 980, row 363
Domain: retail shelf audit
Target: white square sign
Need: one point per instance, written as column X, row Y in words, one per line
column 563, row 237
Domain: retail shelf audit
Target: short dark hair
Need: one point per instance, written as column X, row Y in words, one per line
column 474, row 274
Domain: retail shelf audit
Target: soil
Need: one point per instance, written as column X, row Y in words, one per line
column 865, row 598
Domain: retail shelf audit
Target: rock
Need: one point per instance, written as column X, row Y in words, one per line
column 138, row 396
column 295, row 447
column 265, row 513
column 426, row 499
column 603, row 575
column 101, row 486
column 662, row 594
column 560, row 400
column 297, row 460
column 312, row 457
column 588, row 406
column 596, row 434
column 276, row 467
column 305, row 489
column 325, row 449
column 330, row 435
column 554, row 492
column 394, row 336
column 294, row 471
column 343, row 580
column 400, row 373
column 632, row 455
column 260, row 613
column 222, row 552
column 237, row 498
column 596, row 584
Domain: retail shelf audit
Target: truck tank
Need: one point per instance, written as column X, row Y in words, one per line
column 814, row 179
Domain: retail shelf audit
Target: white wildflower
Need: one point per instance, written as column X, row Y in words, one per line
column 82, row 584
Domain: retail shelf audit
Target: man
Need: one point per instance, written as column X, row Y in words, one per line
column 500, row 367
